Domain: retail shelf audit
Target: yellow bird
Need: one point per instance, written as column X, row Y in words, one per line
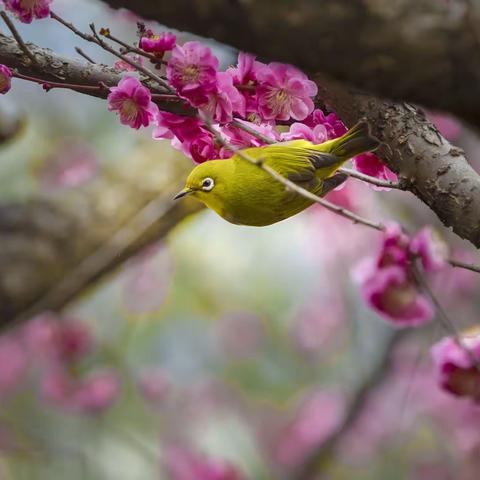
column 244, row 194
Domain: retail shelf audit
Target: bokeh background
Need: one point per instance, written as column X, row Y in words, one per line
column 217, row 351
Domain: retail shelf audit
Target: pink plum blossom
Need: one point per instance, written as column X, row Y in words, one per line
column 244, row 77
column 183, row 464
column 317, row 134
column 333, row 125
column 157, row 44
column 226, row 101
column 457, row 370
column 430, row 248
column 284, row 92
column 5, row 79
column 133, row 102
column 369, row 164
column 392, row 294
column 189, row 137
column 388, row 285
column 27, row 10
column 192, row 71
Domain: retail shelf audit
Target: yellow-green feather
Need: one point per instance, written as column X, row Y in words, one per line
column 245, row 194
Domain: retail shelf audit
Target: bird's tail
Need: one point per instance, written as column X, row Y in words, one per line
column 356, row 141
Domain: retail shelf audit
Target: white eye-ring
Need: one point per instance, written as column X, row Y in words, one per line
column 207, row 184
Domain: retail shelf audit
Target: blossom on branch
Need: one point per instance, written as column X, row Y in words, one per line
column 192, row 71
column 157, row 44
column 284, row 92
column 5, row 79
column 388, row 283
column 430, row 248
column 133, row 102
column 457, row 369
column 27, row 10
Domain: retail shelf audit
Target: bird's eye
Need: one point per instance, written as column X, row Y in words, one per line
column 207, row 184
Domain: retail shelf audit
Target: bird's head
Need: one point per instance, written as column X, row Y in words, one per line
column 204, row 182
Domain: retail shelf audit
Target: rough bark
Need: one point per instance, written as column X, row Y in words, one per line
column 422, row 51
column 428, row 165
column 52, row 249
column 55, row 68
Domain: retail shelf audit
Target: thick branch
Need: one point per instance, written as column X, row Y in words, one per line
column 427, row 164
column 55, row 68
column 51, row 250
column 422, row 51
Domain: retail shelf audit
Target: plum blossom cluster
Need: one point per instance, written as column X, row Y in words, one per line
column 256, row 95
column 457, row 365
column 388, row 282
column 27, row 10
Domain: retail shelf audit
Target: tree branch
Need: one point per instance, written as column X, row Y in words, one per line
column 53, row 249
column 54, row 68
column 427, row 165
column 422, row 51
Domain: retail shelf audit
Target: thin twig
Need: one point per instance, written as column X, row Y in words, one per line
column 368, row 179
column 93, row 264
column 443, row 316
column 467, row 266
column 19, row 39
column 359, row 398
column 343, row 212
column 97, row 40
column 48, row 85
column 84, row 55
column 132, row 48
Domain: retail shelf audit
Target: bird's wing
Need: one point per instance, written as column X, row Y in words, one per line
column 296, row 160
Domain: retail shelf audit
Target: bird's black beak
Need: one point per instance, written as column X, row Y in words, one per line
column 182, row 193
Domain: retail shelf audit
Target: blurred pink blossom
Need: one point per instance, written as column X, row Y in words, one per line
column 133, row 102
column 154, row 385
column 92, row 393
column 73, row 164
column 147, row 279
column 431, row 248
column 447, row 125
column 192, row 71
column 284, row 92
column 240, row 335
column 157, row 44
column 5, row 79
column 13, row 363
column 392, row 294
column 457, row 371
column 388, row 285
column 316, row 419
column 183, row 464
column 27, row 10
